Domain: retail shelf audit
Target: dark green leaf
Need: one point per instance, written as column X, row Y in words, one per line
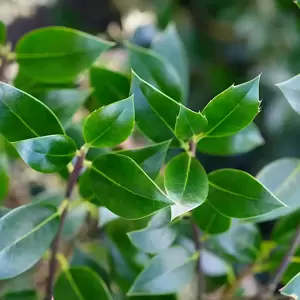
column 189, row 123
column 85, row 189
column 150, row 158
column 31, row 117
column 2, row 33
column 241, row 243
column 286, row 225
column 281, row 177
column 210, row 220
column 154, row 69
column 291, row 90
column 123, row 187
column 146, row 113
column 4, row 177
column 80, row 284
column 157, row 236
column 244, row 141
column 169, row 46
column 186, row 183
column 237, row 194
column 233, row 109
column 74, row 221
column 166, row 273
column 47, row 154
column 109, row 86
column 62, row 53
column 63, row 102
column 297, row 2
column 292, row 289
column 23, row 295
column 74, row 131
column 110, row 125
column 26, row 233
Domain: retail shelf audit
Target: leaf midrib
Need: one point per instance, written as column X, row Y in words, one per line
column 73, row 284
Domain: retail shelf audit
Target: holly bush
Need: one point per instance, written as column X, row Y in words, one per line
column 136, row 214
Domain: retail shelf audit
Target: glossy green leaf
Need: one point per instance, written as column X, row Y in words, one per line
column 153, row 108
column 62, row 54
column 233, row 109
column 210, row 220
column 80, row 283
column 109, row 86
column 242, row 142
column 74, row 221
column 4, row 176
column 154, row 69
column 22, row 111
column 169, row 46
column 189, row 123
column 74, row 131
column 237, row 194
column 281, row 177
column 47, row 154
column 286, row 225
column 297, row 2
column 166, row 273
column 124, row 188
column 2, row 33
column 22, row 295
column 186, row 183
column 241, row 243
column 85, row 188
column 150, row 158
column 291, row 91
column 292, row 289
column 157, row 236
column 63, row 102
column 110, row 125
column 26, row 233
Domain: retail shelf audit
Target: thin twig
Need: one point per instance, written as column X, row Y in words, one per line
column 55, row 244
column 198, row 245
column 275, row 280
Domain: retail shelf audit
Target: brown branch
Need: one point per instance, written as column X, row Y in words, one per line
column 275, row 280
column 55, row 244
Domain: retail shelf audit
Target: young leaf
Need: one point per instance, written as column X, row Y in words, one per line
column 292, row 289
column 26, row 233
column 186, row 183
column 291, row 91
column 210, row 220
column 109, row 86
column 62, row 54
column 189, row 123
column 233, row 109
column 281, row 177
column 80, row 283
column 4, row 177
column 63, row 102
column 2, row 33
column 155, row 70
column 169, row 45
column 157, row 236
column 150, row 158
column 237, row 194
column 241, row 243
column 31, row 117
column 123, row 187
column 146, row 116
column 47, row 154
column 244, row 141
column 110, row 125
column 166, row 273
